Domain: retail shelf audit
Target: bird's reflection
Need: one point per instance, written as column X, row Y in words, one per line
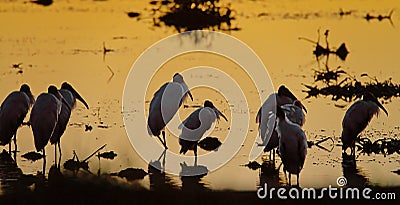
column 355, row 178
column 159, row 180
column 9, row 172
column 269, row 174
column 191, row 177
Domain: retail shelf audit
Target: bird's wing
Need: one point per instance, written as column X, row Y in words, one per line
column 62, row 123
column 12, row 113
column 157, row 97
column 193, row 121
column 358, row 116
column 44, row 118
column 302, row 146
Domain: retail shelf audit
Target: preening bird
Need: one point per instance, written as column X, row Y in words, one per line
column 194, row 126
column 70, row 95
column 164, row 105
column 357, row 118
column 292, row 144
column 44, row 117
column 266, row 113
column 12, row 113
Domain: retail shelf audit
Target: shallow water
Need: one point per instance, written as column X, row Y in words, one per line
column 64, row 42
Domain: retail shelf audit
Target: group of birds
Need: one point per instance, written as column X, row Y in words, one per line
column 164, row 105
column 280, row 120
column 48, row 118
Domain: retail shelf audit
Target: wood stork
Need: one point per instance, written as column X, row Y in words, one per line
column 44, row 117
column 70, row 95
column 357, row 118
column 164, row 105
column 266, row 114
column 12, row 113
column 194, row 126
column 292, row 144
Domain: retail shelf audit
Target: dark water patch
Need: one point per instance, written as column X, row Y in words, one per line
column 107, row 155
column 43, row 2
column 131, row 174
column 210, row 143
column 254, row 165
column 32, row 156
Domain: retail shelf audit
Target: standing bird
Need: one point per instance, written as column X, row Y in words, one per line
column 165, row 103
column 70, row 95
column 266, row 114
column 295, row 114
column 194, row 126
column 292, row 144
column 12, row 113
column 357, row 118
column 44, row 117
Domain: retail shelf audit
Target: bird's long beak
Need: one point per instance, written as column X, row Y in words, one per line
column 219, row 113
column 79, row 97
column 381, row 106
column 190, row 95
column 302, row 106
column 186, row 88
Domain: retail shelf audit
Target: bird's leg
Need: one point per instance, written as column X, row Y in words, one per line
column 44, row 161
column 195, row 150
column 159, row 138
column 298, row 174
column 273, row 155
column 290, row 183
column 55, row 153
column 165, row 142
column 59, row 149
column 15, row 142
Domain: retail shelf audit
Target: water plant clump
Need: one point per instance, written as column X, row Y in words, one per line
column 186, row 15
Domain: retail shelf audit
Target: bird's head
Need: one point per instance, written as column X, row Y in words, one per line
column 69, row 87
column 209, row 104
column 300, row 105
column 284, row 91
column 368, row 96
column 27, row 90
column 178, row 78
column 54, row 91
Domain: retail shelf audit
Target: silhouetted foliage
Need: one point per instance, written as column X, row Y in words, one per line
column 385, row 146
column 186, row 15
column 321, row 51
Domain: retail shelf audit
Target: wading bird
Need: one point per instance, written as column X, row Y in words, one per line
column 194, row 126
column 295, row 114
column 164, row 105
column 292, row 144
column 357, row 118
column 44, row 117
column 265, row 116
column 12, row 113
column 70, row 96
